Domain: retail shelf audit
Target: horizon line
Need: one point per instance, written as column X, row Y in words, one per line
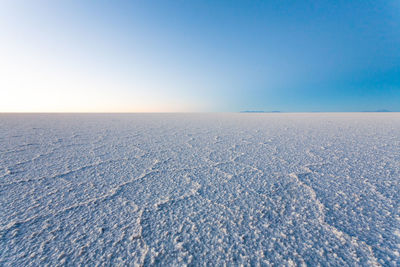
column 185, row 112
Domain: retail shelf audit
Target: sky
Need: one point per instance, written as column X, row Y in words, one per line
column 199, row 56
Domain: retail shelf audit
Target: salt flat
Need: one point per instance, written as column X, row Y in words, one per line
column 176, row 189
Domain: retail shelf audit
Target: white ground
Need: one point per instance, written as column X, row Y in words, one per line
column 173, row 189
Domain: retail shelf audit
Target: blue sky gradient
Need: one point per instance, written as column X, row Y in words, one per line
column 155, row 56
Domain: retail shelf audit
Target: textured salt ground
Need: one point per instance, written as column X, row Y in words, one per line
column 176, row 189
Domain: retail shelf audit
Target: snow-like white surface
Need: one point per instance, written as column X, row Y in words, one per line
column 174, row 189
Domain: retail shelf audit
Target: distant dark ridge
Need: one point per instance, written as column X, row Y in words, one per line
column 259, row 111
column 379, row 110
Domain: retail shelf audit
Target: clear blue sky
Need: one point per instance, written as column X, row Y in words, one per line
column 199, row 55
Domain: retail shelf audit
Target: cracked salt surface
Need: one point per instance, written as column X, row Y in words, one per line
column 176, row 189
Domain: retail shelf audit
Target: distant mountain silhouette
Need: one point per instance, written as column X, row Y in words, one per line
column 379, row 110
column 259, row 111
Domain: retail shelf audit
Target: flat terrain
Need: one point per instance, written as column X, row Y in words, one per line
column 175, row 189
